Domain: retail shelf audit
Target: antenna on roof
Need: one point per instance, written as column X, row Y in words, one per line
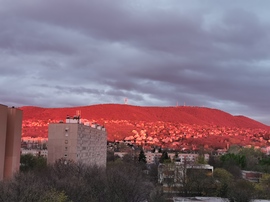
column 126, row 100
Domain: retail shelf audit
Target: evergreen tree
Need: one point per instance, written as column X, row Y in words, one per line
column 164, row 157
column 142, row 157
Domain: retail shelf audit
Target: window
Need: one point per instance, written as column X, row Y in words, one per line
column 66, row 155
column 66, row 141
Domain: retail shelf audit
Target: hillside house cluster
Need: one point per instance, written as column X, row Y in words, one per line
column 188, row 137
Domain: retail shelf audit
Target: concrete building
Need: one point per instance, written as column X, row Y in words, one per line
column 77, row 142
column 152, row 157
column 3, row 134
column 10, row 141
column 35, row 152
column 173, row 176
column 252, row 176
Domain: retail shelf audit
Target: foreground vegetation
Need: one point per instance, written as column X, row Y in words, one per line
column 66, row 181
column 127, row 180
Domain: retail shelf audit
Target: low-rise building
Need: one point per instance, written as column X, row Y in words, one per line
column 174, row 176
column 152, row 157
column 35, row 152
column 251, row 176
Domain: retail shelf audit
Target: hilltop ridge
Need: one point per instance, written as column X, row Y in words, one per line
column 147, row 123
column 181, row 114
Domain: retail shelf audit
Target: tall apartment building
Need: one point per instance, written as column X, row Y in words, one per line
column 10, row 140
column 77, row 142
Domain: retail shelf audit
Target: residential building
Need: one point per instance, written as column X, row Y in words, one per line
column 77, row 142
column 35, row 152
column 10, row 140
column 152, row 157
column 252, row 176
column 173, row 176
column 189, row 157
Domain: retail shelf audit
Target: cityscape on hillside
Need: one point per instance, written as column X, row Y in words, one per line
column 181, row 160
column 172, row 129
column 134, row 101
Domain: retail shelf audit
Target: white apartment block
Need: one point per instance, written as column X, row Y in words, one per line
column 152, row 157
column 35, row 152
column 188, row 157
column 77, row 142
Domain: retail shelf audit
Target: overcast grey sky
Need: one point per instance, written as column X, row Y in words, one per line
column 212, row 53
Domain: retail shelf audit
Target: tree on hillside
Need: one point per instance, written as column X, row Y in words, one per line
column 126, row 182
column 236, row 159
column 233, row 163
column 200, row 181
column 66, row 181
column 215, row 161
column 55, row 196
column 128, row 158
column 253, row 157
column 201, row 159
column 176, row 155
column 142, row 157
column 264, row 164
column 241, row 191
column 164, row 157
column 224, row 180
column 234, row 149
column 263, row 187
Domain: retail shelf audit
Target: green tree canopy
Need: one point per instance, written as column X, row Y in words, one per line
column 225, row 179
column 30, row 162
column 234, row 159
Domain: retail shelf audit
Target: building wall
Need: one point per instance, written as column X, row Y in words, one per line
column 10, row 141
column 77, row 142
column 13, row 142
column 35, row 152
column 62, row 142
column 92, row 145
column 3, row 132
column 172, row 174
column 152, row 157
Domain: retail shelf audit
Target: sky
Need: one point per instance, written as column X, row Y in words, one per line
column 207, row 53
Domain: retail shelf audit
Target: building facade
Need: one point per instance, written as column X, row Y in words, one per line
column 77, row 142
column 10, row 141
column 175, row 176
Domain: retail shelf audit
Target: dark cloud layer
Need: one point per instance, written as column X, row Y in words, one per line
column 154, row 52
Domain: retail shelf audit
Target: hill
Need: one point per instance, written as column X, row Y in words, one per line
column 167, row 126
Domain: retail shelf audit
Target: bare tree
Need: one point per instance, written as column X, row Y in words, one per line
column 126, row 183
